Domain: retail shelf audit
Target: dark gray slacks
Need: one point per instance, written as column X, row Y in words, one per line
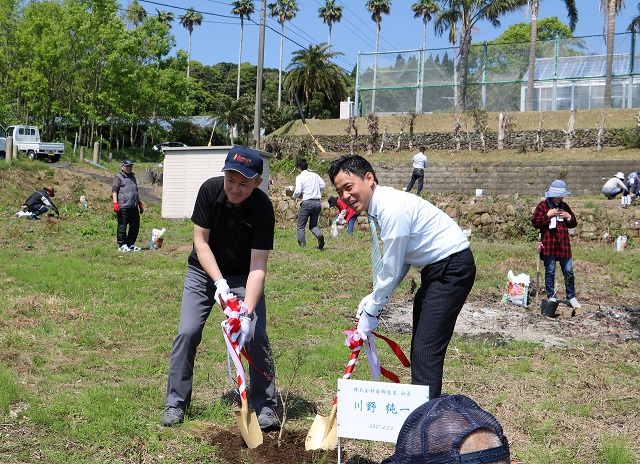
column 197, row 304
column 443, row 291
column 309, row 211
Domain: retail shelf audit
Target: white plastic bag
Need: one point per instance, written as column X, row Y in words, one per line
column 157, row 238
column 517, row 290
column 334, row 228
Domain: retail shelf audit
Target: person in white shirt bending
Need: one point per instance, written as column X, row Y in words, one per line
column 309, row 185
column 414, row 233
column 419, row 161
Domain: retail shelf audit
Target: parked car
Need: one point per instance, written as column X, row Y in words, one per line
column 160, row 146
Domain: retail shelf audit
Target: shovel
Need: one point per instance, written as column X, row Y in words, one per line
column 245, row 417
column 323, row 433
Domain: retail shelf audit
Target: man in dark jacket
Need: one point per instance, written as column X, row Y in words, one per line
column 126, row 203
column 38, row 203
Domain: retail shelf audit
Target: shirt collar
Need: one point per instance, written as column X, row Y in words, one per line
column 373, row 204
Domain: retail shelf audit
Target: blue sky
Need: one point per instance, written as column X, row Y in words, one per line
column 217, row 39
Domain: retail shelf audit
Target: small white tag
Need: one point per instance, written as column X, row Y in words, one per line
column 552, row 224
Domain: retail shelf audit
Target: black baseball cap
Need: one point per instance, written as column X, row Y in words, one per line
column 244, row 160
column 127, row 162
column 433, row 432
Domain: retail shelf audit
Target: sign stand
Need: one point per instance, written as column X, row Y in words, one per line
column 375, row 411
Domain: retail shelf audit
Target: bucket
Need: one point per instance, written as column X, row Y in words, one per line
column 548, row 308
column 478, row 192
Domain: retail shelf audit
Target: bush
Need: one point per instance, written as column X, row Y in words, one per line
column 631, row 138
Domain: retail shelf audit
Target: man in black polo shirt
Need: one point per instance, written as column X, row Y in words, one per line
column 232, row 235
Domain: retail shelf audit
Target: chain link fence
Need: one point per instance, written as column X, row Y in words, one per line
column 569, row 74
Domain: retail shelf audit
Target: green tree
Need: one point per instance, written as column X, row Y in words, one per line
column 188, row 20
column 609, row 8
column 311, row 70
column 468, row 13
column 377, row 9
column 330, row 13
column 241, row 8
column 535, row 7
column 283, row 11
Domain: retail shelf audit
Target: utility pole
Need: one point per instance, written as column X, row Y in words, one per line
column 258, row 116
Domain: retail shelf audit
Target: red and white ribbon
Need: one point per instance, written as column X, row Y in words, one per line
column 234, row 340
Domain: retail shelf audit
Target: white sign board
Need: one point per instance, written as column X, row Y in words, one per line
column 376, row 410
column 625, row 199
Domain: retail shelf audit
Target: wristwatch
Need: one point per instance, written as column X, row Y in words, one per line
column 250, row 315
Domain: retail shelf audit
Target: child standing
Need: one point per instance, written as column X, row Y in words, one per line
column 554, row 218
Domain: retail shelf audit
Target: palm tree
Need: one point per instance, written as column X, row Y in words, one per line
column 424, row 8
column 283, row 11
column 165, row 17
column 330, row 13
column 135, row 13
column 535, row 7
column 467, row 13
column 190, row 19
column 634, row 26
column 242, row 8
column 377, row 8
column 609, row 8
column 311, row 70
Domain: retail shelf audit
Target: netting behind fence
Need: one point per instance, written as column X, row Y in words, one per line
column 569, row 74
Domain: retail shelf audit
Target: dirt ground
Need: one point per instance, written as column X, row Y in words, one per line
column 596, row 323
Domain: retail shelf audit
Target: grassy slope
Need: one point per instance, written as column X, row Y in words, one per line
column 85, row 336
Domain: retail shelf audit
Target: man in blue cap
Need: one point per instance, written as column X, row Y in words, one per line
column 233, row 227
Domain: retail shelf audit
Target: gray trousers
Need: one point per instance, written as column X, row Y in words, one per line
column 197, row 304
column 309, row 210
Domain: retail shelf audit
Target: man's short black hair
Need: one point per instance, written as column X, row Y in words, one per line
column 302, row 164
column 422, row 149
column 351, row 164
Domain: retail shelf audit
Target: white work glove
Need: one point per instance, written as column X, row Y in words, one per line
column 366, row 325
column 222, row 292
column 343, row 214
column 366, row 322
column 247, row 323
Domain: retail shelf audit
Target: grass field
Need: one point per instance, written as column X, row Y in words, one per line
column 85, row 338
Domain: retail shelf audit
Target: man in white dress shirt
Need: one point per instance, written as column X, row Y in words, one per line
column 309, row 185
column 414, row 233
column 419, row 162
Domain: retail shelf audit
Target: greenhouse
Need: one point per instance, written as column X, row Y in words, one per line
column 577, row 83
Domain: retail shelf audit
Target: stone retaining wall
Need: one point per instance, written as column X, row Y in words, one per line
column 499, row 217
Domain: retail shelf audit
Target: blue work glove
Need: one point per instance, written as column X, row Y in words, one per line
column 222, row 292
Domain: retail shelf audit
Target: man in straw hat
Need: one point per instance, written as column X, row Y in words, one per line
column 554, row 218
column 614, row 186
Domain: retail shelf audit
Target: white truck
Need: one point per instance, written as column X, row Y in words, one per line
column 3, row 143
column 27, row 139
